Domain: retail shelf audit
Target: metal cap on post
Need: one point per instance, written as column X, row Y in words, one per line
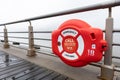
column 6, row 44
column 107, row 70
column 31, row 49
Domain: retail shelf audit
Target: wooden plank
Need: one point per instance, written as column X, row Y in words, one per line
column 26, row 72
column 20, row 69
column 23, row 72
column 53, row 63
column 5, row 72
column 61, row 77
column 31, row 74
column 7, row 64
column 41, row 75
column 12, row 66
column 51, row 76
column 69, row 79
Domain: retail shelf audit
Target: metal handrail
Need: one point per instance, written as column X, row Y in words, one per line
column 117, row 69
column 114, row 31
column 104, row 5
column 116, row 44
column 43, row 39
column 42, row 31
column 44, row 46
column 27, row 32
column 34, row 44
column 27, row 38
column 17, row 37
column 116, row 57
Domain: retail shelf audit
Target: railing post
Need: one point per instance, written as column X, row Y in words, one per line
column 6, row 44
column 107, row 70
column 31, row 50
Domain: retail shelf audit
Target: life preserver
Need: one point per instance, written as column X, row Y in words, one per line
column 77, row 43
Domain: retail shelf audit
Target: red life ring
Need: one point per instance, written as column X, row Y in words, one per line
column 77, row 43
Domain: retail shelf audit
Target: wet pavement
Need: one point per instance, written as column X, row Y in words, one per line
column 14, row 68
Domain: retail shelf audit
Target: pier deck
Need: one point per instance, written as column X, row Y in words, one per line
column 54, row 63
column 19, row 69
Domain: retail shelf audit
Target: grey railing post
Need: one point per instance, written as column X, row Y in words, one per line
column 6, row 44
column 31, row 49
column 107, row 70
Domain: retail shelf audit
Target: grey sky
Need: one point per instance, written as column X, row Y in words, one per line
column 11, row 10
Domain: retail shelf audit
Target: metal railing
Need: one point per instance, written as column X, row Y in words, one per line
column 107, row 68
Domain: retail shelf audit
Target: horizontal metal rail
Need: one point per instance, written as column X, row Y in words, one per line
column 42, row 39
column 47, row 31
column 95, row 64
column 17, row 32
column 34, row 44
column 44, row 46
column 1, row 36
column 27, row 38
column 19, row 47
column 18, row 37
column 42, row 31
column 117, row 69
column 114, row 31
column 116, row 44
column 116, row 57
column 107, row 4
column 27, row 32
column 19, row 42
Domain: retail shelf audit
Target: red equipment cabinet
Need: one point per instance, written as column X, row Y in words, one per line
column 77, row 43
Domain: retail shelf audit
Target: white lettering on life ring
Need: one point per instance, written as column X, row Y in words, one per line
column 91, row 52
column 71, row 32
column 72, row 56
